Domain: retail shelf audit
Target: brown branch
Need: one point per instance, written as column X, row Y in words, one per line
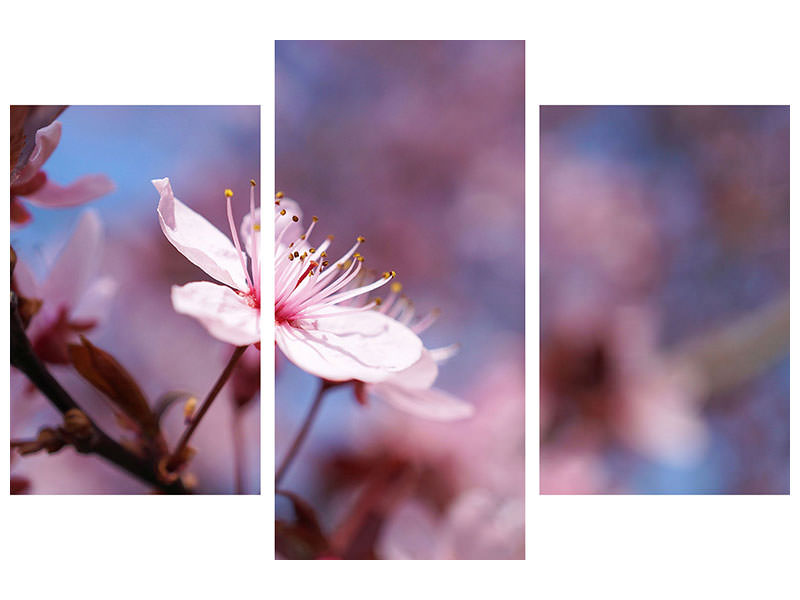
column 24, row 358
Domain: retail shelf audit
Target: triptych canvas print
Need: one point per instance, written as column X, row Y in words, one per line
column 396, row 264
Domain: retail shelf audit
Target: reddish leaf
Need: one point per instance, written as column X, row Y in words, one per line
column 304, row 538
column 103, row 371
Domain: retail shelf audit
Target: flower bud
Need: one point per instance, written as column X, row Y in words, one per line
column 77, row 424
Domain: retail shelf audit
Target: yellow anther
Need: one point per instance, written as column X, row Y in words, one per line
column 325, row 263
column 291, row 256
column 257, row 227
column 302, row 237
column 360, row 259
column 360, row 239
column 279, row 195
column 229, row 193
column 356, row 255
column 296, row 253
column 283, row 211
column 330, row 237
column 396, row 287
column 312, row 250
column 295, row 218
column 386, row 275
column 277, row 202
column 315, row 219
column 378, row 301
column 304, row 255
column 323, row 254
column 253, row 182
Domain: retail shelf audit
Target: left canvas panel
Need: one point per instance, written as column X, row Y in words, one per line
column 135, row 300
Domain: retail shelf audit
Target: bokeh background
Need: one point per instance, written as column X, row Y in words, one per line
column 419, row 147
column 203, row 150
column 664, row 241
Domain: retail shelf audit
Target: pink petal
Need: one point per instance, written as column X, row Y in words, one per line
column 433, row 404
column 367, row 346
column 80, row 191
column 25, row 281
column 47, row 139
column 75, row 265
column 95, row 303
column 663, row 420
column 224, row 313
column 197, row 239
column 412, row 533
column 481, row 526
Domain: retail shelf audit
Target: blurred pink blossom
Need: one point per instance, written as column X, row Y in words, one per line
column 613, row 383
column 229, row 312
column 73, row 299
column 333, row 342
column 32, row 183
column 477, row 526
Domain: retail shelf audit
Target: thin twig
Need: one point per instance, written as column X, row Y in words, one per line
column 177, row 456
column 238, row 449
column 298, row 441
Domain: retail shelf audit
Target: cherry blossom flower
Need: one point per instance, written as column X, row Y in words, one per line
column 73, row 299
column 314, row 327
column 230, row 310
column 411, row 390
column 611, row 379
column 32, row 183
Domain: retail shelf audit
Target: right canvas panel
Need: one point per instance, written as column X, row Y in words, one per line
column 664, row 345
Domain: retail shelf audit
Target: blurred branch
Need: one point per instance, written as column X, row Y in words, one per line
column 738, row 352
column 24, row 359
column 301, row 435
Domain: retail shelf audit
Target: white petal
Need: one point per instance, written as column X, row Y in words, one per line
column 420, row 375
column 294, row 229
column 225, row 315
column 197, row 239
column 366, row 346
column 433, row 404
column 247, row 231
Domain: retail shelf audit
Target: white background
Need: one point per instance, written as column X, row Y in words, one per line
column 576, row 53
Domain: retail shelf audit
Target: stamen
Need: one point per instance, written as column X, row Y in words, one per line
column 235, row 236
column 306, row 273
column 279, row 195
column 255, row 260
